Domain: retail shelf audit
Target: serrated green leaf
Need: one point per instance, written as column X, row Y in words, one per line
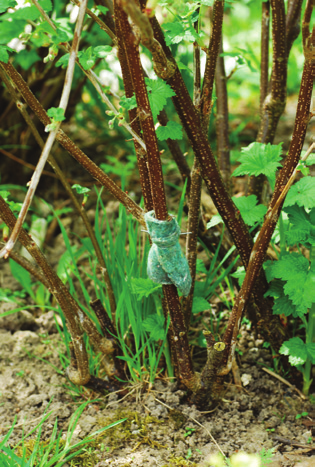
column 87, row 59
column 295, row 348
column 259, row 158
column 128, row 103
column 299, row 278
column 172, row 130
column 143, row 287
column 154, row 325
column 302, row 193
column 282, row 303
column 158, row 92
column 250, row 211
column 174, row 32
column 5, row 4
column 200, row 304
column 302, row 230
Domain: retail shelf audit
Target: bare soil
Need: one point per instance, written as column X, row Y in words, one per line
column 162, row 428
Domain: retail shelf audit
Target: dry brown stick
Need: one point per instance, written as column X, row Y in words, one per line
column 80, row 209
column 71, row 147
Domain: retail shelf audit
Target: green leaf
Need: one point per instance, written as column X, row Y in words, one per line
column 302, row 229
column 5, row 4
column 56, row 113
column 22, row 276
column 172, row 130
column 200, row 266
column 102, row 8
column 207, row 2
column 27, row 58
column 175, row 32
column 4, row 56
column 215, row 220
column 299, row 278
column 302, row 193
column 81, row 190
column 154, row 325
column 310, row 350
column 239, row 274
column 158, row 92
column 5, row 194
column 200, row 304
column 102, row 51
column 250, row 211
column 295, row 348
column 87, row 59
column 143, row 287
column 63, row 61
column 128, row 103
column 259, row 158
column 311, row 158
column 282, row 304
column 11, row 30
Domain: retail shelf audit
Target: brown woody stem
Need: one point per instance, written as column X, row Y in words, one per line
column 159, row 201
column 133, row 114
column 222, row 121
column 264, row 52
column 284, row 181
column 79, row 375
column 71, row 147
column 212, row 54
column 163, row 67
column 80, row 209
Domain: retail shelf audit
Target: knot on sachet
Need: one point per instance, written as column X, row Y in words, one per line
column 166, row 262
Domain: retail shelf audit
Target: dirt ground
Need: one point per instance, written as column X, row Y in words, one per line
column 162, row 429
